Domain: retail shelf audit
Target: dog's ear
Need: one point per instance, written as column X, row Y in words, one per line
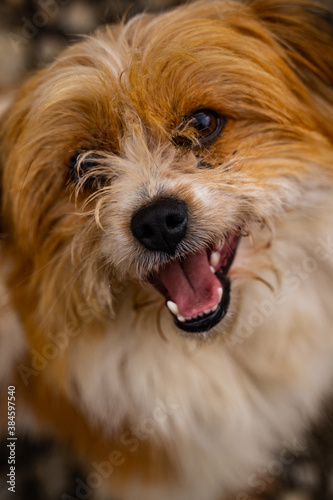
column 304, row 30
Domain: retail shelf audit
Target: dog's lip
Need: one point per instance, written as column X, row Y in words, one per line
column 196, row 285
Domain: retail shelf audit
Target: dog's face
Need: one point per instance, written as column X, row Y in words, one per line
column 152, row 151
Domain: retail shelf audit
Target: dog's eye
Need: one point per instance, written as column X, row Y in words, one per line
column 207, row 123
column 83, row 168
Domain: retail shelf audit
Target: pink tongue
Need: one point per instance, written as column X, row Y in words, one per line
column 191, row 284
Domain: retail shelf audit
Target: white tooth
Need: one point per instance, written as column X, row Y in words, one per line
column 220, row 292
column 207, row 311
column 215, row 258
column 212, row 269
column 180, row 318
column 215, row 307
column 172, row 306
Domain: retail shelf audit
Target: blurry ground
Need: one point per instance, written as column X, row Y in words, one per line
column 32, row 32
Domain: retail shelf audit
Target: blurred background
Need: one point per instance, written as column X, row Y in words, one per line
column 32, row 33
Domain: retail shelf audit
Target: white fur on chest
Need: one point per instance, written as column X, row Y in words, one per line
column 233, row 400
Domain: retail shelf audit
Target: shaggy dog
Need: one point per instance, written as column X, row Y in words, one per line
column 167, row 251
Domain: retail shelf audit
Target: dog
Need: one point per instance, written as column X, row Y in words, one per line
column 167, row 247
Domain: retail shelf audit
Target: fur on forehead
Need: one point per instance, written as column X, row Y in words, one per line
column 157, row 65
column 207, row 47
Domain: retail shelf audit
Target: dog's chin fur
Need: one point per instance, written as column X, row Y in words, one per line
column 88, row 342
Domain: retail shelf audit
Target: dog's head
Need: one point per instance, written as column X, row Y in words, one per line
column 149, row 152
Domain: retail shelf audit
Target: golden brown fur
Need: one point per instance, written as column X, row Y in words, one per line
column 76, row 276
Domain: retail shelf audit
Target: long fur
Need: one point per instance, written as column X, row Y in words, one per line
column 89, row 344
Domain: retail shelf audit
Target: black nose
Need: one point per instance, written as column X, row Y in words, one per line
column 161, row 226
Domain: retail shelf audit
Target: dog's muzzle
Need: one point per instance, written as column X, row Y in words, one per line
column 195, row 285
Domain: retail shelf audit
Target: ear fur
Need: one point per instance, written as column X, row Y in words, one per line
column 304, row 30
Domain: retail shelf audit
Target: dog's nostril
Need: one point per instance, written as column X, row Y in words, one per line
column 161, row 226
column 173, row 221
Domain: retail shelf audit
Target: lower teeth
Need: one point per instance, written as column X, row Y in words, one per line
column 196, row 318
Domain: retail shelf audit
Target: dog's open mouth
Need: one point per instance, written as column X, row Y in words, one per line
column 197, row 287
